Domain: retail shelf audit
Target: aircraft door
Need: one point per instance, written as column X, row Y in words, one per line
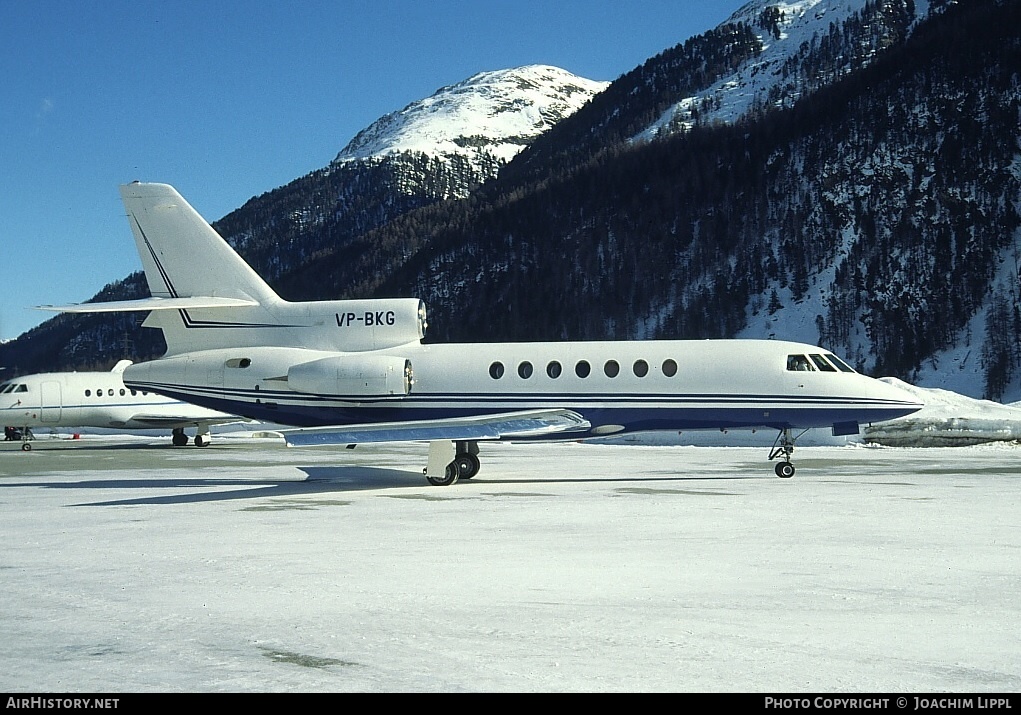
column 50, row 405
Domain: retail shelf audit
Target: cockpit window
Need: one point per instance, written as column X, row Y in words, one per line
column 6, row 387
column 820, row 362
column 799, row 363
column 841, row 365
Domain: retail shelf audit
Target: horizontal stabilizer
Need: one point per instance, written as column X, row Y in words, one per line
column 123, row 306
column 529, row 423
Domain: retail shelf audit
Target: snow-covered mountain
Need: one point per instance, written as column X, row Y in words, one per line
column 794, row 36
column 487, row 119
column 438, row 148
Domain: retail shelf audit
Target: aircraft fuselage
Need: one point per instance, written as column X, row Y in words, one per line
column 94, row 399
column 616, row 386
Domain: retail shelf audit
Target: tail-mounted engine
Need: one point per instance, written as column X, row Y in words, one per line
column 378, row 324
column 354, row 375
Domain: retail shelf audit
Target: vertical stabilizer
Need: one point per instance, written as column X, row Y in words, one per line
column 204, row 296
column 181, row 253
column 184, row 258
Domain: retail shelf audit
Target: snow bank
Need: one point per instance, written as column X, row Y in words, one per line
column 947, row 420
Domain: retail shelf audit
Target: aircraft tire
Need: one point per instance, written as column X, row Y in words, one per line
column 468, row 465
column 784, row 470
column 202, row 440
column 26, row 447
column 449, row 477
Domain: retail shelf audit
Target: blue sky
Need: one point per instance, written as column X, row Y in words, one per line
column 227, row 100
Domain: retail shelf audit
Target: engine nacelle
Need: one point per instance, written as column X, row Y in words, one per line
column 355, row 375
column 378, row 324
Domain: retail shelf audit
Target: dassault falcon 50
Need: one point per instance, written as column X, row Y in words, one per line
column 353, row 371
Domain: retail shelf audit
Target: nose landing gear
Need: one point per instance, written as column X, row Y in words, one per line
column 783, row 447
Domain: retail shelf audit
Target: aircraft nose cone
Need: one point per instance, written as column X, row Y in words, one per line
column 900, row 395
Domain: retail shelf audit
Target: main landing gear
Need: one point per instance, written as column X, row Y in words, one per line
column 202, row 439
column 452, row 460
column 783, row 447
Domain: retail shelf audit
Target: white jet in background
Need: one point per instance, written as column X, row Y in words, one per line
column 98, row 399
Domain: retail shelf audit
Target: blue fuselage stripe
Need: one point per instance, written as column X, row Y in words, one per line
column 631, row 411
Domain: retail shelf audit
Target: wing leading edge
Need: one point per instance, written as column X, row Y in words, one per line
column 527, row 423
column 169, row 421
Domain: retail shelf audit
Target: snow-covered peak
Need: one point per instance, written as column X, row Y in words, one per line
column 790, row 32
column 497, row 112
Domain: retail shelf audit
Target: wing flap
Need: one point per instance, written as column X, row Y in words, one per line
column 529, row 423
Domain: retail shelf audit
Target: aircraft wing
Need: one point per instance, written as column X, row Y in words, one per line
column 172, row 421
column 528, row 423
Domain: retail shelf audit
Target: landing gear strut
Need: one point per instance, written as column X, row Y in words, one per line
column 783, row 447
column 26, row 435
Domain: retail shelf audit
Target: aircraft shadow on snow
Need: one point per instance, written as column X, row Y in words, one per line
column 332, row 480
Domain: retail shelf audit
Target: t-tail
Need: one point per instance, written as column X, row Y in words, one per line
column 204, row 296
column 355, row 371
column 184, row 257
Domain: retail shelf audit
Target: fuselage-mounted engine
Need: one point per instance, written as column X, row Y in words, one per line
column 353, row 375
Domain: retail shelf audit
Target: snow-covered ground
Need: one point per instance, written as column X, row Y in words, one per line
column 132, row 566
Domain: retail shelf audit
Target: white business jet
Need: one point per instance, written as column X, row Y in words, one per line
column 354, row 371
column 98, row 399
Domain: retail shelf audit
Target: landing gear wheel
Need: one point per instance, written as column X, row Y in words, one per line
column 179, row 438
column 202, row 440
column 467, row 465
column 784, row 470
column 26, row 447
column 783, row 447
column 449, row 477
